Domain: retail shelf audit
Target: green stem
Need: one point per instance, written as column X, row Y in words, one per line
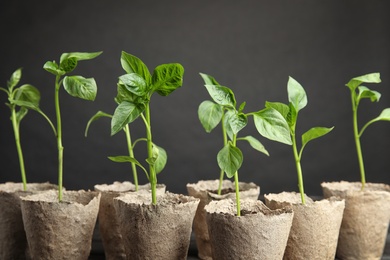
column 15, row 126
column 357, row 142
column 131, row 154
column 149, row 144
column 236, row 183
column 222, row 173
column 59, row 137
column 299, row 169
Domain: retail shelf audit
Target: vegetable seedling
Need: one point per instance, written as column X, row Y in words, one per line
column 76, row 86
column 135, row 90
column 358, row 93
column 25, row 97
column 130, row 145
column 297, row 100
column 223, row 110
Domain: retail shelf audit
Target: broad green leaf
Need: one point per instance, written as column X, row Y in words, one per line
column 208, row 80
column 161, row 159
column 283, row 109
column 78, row 86
column 123, row 94
column 314, row 133
column 230, row 159
column 132, row 64
column 271, row 124
column 296, row 94
column 222, row 95
column 365, row 92
column 127, row 159
column 21, row 114
column 68, row 64
column 134, row 83
column 237, row 121
column 167, row 78
column 254, row 143
column 210, row 114
column 15, row 78
column 79, row 56
column 95, row 117
column 52, row 67
column 125, row 113
column 27, row 96
column 368, row 78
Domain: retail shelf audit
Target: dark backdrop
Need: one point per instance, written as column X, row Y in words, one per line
column 249, row 46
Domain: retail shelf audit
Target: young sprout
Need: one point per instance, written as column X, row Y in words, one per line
column 297, row 100
column 25, row 97
column 358, row 93
column 135, row 90
column 76, row 86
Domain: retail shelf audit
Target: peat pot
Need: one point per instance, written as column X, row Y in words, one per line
column 160, row 231
column 315, row 227
column 108, row 225
column 60, row 230
column 206, row 191
column 366, row 218
column 13, row 242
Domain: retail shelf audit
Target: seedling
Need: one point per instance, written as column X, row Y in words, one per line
column 130, row 145
column 297, row 100
column 223, row 109
column 25, row 97
column 76, row 86
column 358, row 93
column 135, row 90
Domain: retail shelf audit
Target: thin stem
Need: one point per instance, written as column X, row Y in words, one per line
column 15, row 126
column 236, row 182
column 59, row 137
column 149, row 144
column 224, row 135
column 131, row 154
column 49, row 121
column 299, row 169
column 357, row 141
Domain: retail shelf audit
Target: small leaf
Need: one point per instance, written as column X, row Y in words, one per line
column 95, row 117
column 161, row 159
column 68, row 64
column 254, row 143
column 52, row 67
column 27, row 96
column 132, row 64
column 365, row 92
column 125, row 113
column 15, row 78
column 21, row 114
column 271, row 124
column 222, row 95
column 208, row 80
column 237, row 121
column 368, row 78
column 210, row 114
column 283, row 109
column 78, row 86
column 78, row 56
column 296, row 94
column 230, row 159
column 384, row 115
column 292, row 116
column 128, row 159
column 242, row 106
column 227, row 126
column 134, row 83
column 167, row 78
column 314, row 133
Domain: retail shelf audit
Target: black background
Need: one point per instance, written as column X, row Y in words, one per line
column 250, row 46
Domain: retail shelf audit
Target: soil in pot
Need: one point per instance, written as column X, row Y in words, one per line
column 60, row 230
column 366, row 218
column 108, row 224
column 315, row 228
column 13, row 242
column 159, row 231
column 206, row 191
column 259, row 233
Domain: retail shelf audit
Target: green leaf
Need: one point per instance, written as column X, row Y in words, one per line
column 78, row 86
column 314, row 133
column 210, row 114
column 254, row 143
column 365, row 92
column 27, row 96
column 227, row 126
column 296, row 94
column 78, row 56
column 292, row 116
column 125, row 113
column 271, row 124
column 132, row 64
column 52, row 67
column 368, row 78
column 384, row 116
column 230, row 159
column 242, row 106
column 68, row 64
column 222, row 95
column 21, row 114
column 124, row 94
column 15, row 78
column 134, row 83
column 208, row 80
column 237, row 121
column 167, row 78
column 128, row 159
column 95, row 117
column 161, row 159
column 283, row 109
